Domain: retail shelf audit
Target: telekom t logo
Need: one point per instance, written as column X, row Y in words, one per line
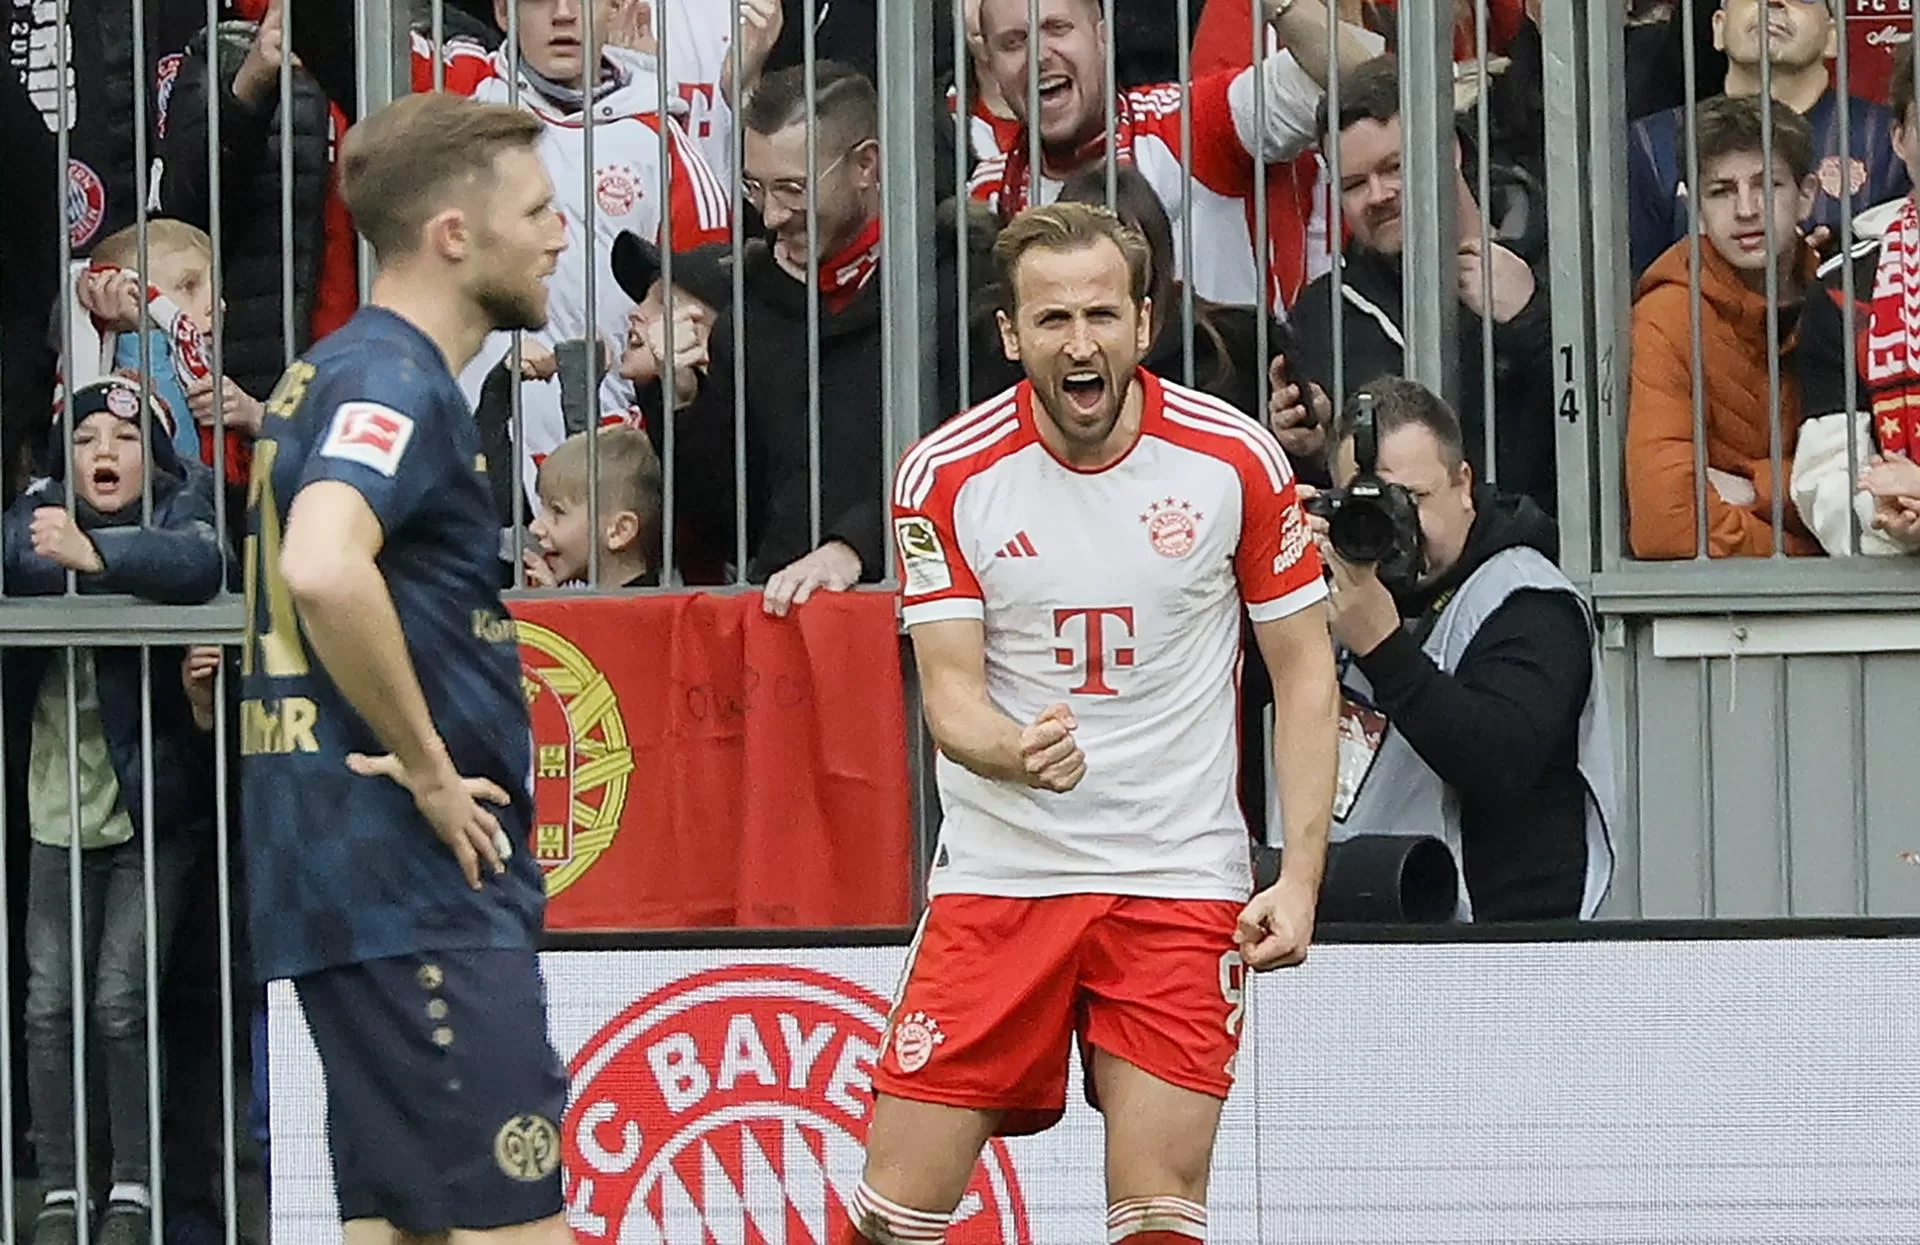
column 1095, row 642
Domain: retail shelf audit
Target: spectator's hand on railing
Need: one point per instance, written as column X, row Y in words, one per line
column 1299, row 425
column 112, row 297
column 1512, row 281
column 197, row 671
column 242, row 412
column 259, row 75
column 1894, row 484
column 57, row 538
column 1732, row 489
column 833, row 567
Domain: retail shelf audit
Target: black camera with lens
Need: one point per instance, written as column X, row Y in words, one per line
column 1371, row 522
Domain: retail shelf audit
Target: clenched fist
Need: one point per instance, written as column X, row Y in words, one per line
column 1049, row 756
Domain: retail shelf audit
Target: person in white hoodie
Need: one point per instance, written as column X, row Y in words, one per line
column 1856, row 460
column 630, row 145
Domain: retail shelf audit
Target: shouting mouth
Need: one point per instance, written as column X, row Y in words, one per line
column 1054, row 88
column 1085, row 391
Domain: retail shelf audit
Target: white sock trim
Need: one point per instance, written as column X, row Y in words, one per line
column 60, row 1197
column 901, row 1225
column 1155, row 1214
column 130, row 1194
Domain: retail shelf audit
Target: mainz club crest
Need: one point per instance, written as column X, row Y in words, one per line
column 732, row 1106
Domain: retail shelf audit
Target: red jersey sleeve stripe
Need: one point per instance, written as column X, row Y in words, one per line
column 1213, row 416
column 913, row 493
column 961, row 426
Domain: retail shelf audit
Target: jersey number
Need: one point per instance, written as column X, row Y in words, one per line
column 279, row 649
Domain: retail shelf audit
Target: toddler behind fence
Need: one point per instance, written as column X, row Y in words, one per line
column 628, row 531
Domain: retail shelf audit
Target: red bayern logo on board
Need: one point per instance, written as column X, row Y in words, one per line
column 732, row 1105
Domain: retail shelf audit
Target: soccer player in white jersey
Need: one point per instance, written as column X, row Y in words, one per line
column 1075, row 554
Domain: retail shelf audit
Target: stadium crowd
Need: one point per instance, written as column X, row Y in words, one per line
column 1766, row 372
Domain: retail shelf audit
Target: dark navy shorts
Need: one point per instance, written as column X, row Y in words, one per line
column 444, row 1096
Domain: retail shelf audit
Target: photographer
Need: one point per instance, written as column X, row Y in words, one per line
column 1472, row 709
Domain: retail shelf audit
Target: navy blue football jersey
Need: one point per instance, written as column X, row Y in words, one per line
column 344, row 869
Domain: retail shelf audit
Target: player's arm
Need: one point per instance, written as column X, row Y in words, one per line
column 1306, row 723
column 950, row 656
column 328, row 558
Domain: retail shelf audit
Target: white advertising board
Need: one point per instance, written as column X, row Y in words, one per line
column 1597, row 1092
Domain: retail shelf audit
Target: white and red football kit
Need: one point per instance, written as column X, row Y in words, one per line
column 627, row 155
column 1107, row 911
column 1228, row 137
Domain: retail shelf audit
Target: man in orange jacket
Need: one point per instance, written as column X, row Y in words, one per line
column 1741, row 189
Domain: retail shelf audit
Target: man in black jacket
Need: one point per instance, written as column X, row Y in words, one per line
column 783, row 553
column 1374, row 345
column 1473, row 710
column 251, row 131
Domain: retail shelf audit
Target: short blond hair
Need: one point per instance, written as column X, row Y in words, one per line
column 1071, row 227
column 630, row 476
column 416, row 156
column 121, row 249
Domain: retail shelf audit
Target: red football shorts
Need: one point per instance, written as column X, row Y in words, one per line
column 997, row 989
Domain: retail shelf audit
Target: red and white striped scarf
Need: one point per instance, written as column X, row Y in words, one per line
column 1016, row 178
column 1893, row 337
column 844, row 274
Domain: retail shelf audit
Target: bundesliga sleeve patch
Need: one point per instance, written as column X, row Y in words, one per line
column 923, row 563
column 370, row 434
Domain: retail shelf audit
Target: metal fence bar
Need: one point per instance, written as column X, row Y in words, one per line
column 1036, row 153
column 216, row 221
column 908, row 334
column 1334, row 205
column 1690, row 76
column 736, row 241
column 668, row 477
column 1430, row 309
column 1110, row 106
column 81, row 985
column 1489, row 395
column 1183, row 16
column 1850, row 378
column 1262, row 238
column 290, row 341
column 223, row 883
column 962, row 170
column 589, row 80
column 150, row 912
column 440, row 44
column 810, row 58
column 144, row 262
column 1771, row 286
column 516, row 357
column 9, row 1208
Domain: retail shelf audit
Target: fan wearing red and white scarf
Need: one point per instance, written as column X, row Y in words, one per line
column 1892, row 364
column 1015, row 190
column 845, row 273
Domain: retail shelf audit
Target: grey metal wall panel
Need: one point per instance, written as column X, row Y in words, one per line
column 1892, row 728
column 1674, row 814
column 1823, row 705
column 1749, row 832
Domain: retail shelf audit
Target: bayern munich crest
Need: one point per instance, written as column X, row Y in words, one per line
column 616, row 188
column 732, row 1105
column 86, row 202
column 1172, row 526
column 914, row 1041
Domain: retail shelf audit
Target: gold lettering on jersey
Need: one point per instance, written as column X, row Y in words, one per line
column 480, row 463
column 489, row 629
column 285, row 398
column 278, row 727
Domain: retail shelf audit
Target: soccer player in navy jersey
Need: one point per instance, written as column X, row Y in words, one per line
column 384, row 735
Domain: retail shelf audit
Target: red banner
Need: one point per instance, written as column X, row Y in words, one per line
column 698, row 763
column 1875, row 29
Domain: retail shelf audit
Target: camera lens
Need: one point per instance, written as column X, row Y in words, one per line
column 1362, row 531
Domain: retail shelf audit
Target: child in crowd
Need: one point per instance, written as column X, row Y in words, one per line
column 174, row 558
column 176, row 312
column 629, row 520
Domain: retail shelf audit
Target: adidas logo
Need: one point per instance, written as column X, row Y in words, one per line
column 1018, row 547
